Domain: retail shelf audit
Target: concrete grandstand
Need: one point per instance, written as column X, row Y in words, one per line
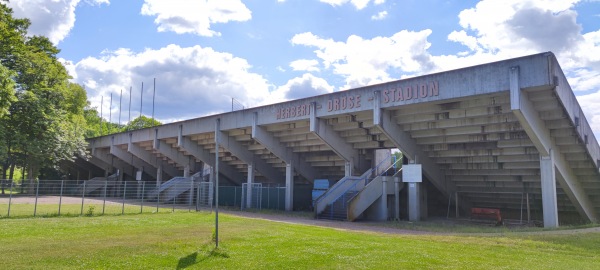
column 498, row 135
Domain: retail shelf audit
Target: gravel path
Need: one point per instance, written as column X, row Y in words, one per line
column 374, row 227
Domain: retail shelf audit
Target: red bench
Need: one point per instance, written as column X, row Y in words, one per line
column 487, row 213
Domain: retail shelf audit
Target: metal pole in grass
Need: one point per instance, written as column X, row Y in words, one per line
column 123, row 201
column 104, row 201
column 197, row 196
column 60, row 198
column 157, row 198
column 217, row 141
column 173, row 205
column 10, row 197
column 37, row 191
column 82, row 198
column 142, row 204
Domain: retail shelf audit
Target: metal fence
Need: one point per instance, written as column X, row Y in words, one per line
column 98, row 197
column 112, row 197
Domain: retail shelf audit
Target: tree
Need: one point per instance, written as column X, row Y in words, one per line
column 7, row 89
column 141, row 122
column 45, row 123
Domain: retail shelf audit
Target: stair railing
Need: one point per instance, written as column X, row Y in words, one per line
column 393, row 166
column 365, row 178
column 330, row 191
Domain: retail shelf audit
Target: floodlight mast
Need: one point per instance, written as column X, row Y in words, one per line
column 216, row 172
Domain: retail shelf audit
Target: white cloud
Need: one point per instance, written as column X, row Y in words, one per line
column 98, row 2
column 494, row 30
column 368, row 61
column 192, row 16
column 50, row 18
column 359, row 4
column 379, row 16
column 305, row 65
column 191, row 81
column 301, row 87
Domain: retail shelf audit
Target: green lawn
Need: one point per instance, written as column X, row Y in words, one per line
column 183, row 240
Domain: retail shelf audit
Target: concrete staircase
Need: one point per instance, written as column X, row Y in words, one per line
column 336, row 198
column 338, row 209
column 372, row 198
column 170, row 190
column 352, row 196
column 96, row 183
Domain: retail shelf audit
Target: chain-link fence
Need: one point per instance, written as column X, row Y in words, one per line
column 99, row 197
column 108, row 196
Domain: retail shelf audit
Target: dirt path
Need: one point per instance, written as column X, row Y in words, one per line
column 374, row 227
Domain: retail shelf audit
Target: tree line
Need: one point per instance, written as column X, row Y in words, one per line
column 44, row 117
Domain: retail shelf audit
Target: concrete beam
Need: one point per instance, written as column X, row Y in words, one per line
column 245, row 155
column 152, row 159
column 574, row 190
column 273, row 144
column 540, row 135
column 186, row 144
column 383, row 120
column 173, row 154
column 527, row 116
column 133, row 160
column 326, row 133
column 87, row 165
column 104, row 156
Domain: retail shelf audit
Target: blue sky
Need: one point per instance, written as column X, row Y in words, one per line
column 203, row 53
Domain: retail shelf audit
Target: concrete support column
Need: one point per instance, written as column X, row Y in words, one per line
column 138, row 178
column 212, row 174
column 289, row 187
column 249, row 181
column 414, row 201
column 397, row 198
column 348, row 168
column 383, row 206
column 549, row 201
column 414, row 191
column 424, row 210
column 186, row 171
column 159, row 173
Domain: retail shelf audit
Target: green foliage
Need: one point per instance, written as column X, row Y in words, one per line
column 7, row 89
column 43, row 123
column 141, row 122
column 90, row 211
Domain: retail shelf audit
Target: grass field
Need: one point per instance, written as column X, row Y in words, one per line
column 183, row 240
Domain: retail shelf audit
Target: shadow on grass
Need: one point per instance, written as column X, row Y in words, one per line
column 207, row 253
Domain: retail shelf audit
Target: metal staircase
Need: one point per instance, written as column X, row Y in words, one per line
column 97, row 183
column 170, row 190
column 335, row 203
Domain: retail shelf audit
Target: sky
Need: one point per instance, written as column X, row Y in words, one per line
column 207, row 55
